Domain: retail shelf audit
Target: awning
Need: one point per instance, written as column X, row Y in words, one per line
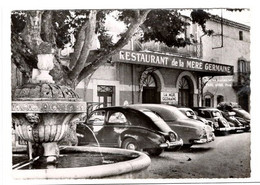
column 172, row 61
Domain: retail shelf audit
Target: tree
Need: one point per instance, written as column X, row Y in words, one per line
column 36, row 31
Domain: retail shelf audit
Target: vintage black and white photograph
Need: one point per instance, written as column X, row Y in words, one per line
column 130, row 93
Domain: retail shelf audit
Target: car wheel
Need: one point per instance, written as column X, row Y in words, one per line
column 130, row 144
column 247, row 129
column 154, row 151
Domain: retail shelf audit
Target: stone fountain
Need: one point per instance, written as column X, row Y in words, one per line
column 43, row 113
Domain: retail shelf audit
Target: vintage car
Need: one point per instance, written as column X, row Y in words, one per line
column 191, row 114
column 221, row 125
column 240, row 114
column 233, row 121
column 190, row 130
column 129, row 128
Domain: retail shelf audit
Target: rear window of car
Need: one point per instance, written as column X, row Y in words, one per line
column 117, row 117
column 190, row 113
column 96, row 117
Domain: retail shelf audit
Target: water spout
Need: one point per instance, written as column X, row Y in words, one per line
column 94, row 136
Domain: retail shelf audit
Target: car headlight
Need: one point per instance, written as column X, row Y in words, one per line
column 172, row 136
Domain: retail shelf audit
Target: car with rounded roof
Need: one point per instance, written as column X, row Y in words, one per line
column 221, row 125
column 191, row 114
column 190, row 130
column 129, row 128
column 240, row 114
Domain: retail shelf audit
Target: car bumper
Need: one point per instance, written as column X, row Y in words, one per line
column 223, row 129
column 171, row 144
column 204, row 140
column 237, row 128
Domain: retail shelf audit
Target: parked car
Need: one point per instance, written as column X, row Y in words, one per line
column 191, row 131
column 221, row 125
column 240, row 114
column 191, row 114
column 129, row 128
column 233, row 121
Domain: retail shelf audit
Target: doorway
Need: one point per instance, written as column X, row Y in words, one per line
column 105, row 95
column 185, row 92
column 150, row 93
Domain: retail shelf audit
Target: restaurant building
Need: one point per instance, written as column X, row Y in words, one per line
column 153, row 73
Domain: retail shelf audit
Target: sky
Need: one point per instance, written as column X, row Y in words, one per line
column 237, row 16
column 240, row 17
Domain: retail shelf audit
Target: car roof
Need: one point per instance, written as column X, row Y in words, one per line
column 167, row 112
column 208, row 108
column 162, row 125
column 184, row 108
column 154, row 105
column 122, row 108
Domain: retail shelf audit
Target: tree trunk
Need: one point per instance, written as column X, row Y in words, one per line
column 38, row 36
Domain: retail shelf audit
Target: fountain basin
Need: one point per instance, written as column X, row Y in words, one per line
column 123, row 169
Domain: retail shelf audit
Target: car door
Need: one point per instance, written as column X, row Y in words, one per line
column 115, row 124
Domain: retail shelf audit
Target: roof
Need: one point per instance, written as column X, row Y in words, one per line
column 227, row 22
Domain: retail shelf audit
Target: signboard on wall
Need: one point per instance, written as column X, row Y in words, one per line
column 169, row 97
column 171, row 61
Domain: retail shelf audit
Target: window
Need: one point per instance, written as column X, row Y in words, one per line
column 208, row 102
column 117, row 117
column 240, row 35
column 243, row 71
column 216, row 114
column 206, row 114
column 96, row 120
column 220, row 99
column 243, row 66
column 105, row 95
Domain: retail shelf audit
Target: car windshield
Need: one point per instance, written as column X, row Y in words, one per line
column 191, row 114
column 157, row 120
column 216, row 114
column 177, row 113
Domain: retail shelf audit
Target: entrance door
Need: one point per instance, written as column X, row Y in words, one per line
column 185, row 93
column 184, row 99
column 105, row 99
column 105, row 95
column 150, row 93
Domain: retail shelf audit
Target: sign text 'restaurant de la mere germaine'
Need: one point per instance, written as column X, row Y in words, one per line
column 170, row 61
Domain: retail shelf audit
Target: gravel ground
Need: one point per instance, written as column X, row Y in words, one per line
column 226, row 157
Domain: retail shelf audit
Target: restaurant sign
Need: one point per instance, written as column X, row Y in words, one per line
column 170, row 61
column 169, row 98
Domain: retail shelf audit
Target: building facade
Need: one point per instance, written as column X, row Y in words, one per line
column 154, row 73
column 230, row 44
column 212, row 69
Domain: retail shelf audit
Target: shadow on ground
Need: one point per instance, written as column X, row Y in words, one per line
column 196, row 149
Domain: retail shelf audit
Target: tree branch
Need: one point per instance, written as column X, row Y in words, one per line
column 85, row 48
column 32, row 30
column 22, row 56
column 102, row 56
column 47, row 28
column 78, row 46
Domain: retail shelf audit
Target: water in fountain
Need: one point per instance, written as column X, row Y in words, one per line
column 70, row 159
